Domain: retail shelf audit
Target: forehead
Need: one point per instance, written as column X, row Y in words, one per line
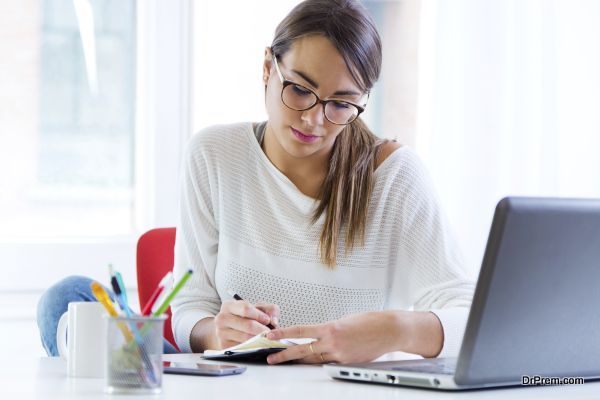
column 316, row 57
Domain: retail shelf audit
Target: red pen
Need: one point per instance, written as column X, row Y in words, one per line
column 159, row 289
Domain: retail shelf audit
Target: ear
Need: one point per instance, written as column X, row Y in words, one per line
column 267, row 64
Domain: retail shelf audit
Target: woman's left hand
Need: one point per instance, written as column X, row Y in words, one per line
column 355, row 338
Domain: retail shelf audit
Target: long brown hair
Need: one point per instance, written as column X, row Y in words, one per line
column 347, row 188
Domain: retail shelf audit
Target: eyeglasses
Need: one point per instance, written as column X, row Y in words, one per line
column 300, row 98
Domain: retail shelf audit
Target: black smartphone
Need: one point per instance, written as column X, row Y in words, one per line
column 191, row 368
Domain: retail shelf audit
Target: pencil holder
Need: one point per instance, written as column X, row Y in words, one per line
column 134, row 354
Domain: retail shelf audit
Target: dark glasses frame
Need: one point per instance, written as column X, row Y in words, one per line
column 286, row 82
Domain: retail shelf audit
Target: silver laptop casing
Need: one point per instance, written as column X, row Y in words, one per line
column 536, row 308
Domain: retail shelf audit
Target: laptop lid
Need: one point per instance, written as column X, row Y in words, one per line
column 536, row 308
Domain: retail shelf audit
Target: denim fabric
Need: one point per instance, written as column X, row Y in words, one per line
column 55, row 302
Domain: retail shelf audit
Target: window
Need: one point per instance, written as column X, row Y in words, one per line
column 93, row 116
column 70, row 137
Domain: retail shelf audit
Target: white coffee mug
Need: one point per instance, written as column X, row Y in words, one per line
column 81, row 339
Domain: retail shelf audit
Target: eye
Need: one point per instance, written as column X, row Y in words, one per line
column 340, row 105
column 300, row 91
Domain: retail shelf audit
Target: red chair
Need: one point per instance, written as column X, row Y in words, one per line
column 155, row 250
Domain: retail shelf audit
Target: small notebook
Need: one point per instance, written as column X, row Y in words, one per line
column 254, row 349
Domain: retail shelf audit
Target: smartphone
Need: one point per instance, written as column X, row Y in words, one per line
column 191, row 368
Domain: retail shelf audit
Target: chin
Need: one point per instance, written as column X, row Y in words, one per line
column 298, row 150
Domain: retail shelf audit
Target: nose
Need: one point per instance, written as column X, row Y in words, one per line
column 314, row 116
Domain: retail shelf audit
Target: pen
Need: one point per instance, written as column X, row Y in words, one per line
column 165, row 282
column 136, row 333
column 115, row 287
column 116, row 282
column 237, row 297
column 119, row 289
column 160, row 298
column 123, row 291
column 113, row 284
column 104, row 298
column 165, row 304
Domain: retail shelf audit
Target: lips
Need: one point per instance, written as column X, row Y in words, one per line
column 303, row 134
column 303, row 137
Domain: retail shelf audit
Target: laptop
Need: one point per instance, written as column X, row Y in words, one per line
column 536, row 309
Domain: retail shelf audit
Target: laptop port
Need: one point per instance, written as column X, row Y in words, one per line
column 357, row 374
column 344, row 373
column 391, row 379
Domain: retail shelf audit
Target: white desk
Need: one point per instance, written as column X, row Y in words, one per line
column 45, row 378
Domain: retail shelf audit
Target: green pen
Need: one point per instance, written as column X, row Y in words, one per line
column 165, row 304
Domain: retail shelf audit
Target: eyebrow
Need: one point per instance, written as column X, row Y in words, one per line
column 316, row 86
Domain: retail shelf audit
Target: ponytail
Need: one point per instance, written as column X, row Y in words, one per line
column 345, row 194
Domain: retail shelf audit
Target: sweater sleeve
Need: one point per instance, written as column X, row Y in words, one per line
column 431, row 276
column 195, row 246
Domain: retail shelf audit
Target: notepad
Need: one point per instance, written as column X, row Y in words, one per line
column 254, row 349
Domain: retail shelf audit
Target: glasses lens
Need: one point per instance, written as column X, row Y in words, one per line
column 297, row 97
column 340, row 112
column 300, row 98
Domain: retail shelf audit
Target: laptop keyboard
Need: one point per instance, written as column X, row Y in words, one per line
column 433, row 366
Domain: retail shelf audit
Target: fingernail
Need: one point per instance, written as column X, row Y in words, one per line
column 270, row 360
column 270, row 335
column 275, row 321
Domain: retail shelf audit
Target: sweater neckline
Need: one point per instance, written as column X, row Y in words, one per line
column 273, row 169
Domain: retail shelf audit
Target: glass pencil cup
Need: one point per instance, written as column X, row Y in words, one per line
column 134, row 354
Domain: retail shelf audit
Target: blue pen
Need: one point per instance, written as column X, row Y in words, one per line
column 118, row 286
column 122, row 286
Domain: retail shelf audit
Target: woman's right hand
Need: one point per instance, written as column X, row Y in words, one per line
column 239, row 321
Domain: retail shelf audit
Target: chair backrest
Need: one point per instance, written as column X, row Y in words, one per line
column 155, row 250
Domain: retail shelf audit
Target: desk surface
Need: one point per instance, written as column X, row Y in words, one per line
column 45, row 378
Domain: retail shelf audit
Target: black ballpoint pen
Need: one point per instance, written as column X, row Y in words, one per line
column 237, row 297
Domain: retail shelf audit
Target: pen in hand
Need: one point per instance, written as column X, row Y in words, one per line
column 237, row 297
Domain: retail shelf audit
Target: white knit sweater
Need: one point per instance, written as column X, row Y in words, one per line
column 244, row 225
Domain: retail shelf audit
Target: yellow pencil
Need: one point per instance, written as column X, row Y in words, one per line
column 104, row 299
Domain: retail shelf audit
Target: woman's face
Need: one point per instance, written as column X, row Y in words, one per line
column 314, row 63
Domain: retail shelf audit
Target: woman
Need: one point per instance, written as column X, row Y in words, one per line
column 325, row 231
